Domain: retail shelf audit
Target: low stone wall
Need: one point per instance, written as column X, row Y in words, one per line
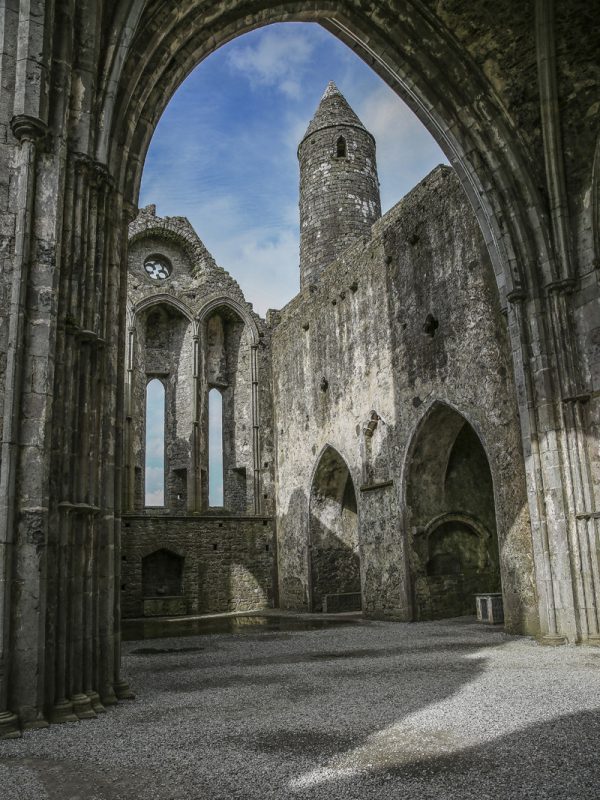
column 226, row 563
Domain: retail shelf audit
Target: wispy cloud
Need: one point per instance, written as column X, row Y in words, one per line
column 405, row 152
column 278, row 58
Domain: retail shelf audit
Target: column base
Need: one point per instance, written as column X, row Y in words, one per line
column 95, row 701
column 123, row 691
column 63, row 712
column 552, row 640
column 36, row 724
column 83, row 707
column 591, row 641
column 9, row 726
column 109, row 698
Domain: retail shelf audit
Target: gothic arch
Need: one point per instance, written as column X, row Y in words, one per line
column 240, row 487
column 453, row 419
column 465, row 112
column 167, row 300
column 450, row 515
column 490, row 162
column 215, row 303
column 335, row 450
column 334, row 570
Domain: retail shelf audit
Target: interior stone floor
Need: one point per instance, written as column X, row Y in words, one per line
column 363, row 710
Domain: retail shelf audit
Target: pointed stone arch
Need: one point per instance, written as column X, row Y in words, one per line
column 333, row 542
column 450, row 515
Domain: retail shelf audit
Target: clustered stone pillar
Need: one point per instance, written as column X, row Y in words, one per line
column 60, row 604
column 28, row 131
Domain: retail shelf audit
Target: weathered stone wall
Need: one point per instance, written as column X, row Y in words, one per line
column 228, row 562
column 407, row 320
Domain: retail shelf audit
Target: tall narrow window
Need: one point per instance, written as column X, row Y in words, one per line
column 215, row 448
column 155, row 444
column 341, row 148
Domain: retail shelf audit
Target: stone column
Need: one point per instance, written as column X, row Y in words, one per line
column 21, row 619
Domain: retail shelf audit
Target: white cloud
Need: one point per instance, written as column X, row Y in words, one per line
column 155, row 483
column 276, row 58
column 405, row 151
column 266, row 267
column 156, row 498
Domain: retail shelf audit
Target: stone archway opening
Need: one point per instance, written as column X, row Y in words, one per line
column 334, row 574
column 451, row 518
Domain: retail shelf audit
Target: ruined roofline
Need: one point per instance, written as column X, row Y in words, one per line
column 439, row 169
column 180, row 230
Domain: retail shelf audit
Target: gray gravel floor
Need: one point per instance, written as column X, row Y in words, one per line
column 376, row 710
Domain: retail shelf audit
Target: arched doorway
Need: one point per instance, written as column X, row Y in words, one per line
column 334, row 559
column 451, row 517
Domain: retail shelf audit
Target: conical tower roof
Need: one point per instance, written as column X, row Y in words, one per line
column 333, row 110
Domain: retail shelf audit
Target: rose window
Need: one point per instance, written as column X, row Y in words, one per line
column 157, row 268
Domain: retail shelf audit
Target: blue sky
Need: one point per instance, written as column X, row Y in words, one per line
column 224, row 151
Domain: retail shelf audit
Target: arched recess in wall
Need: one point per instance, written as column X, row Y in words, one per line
column 333, row 546
column 230, row 366
column 451, row 518
column 162, row 574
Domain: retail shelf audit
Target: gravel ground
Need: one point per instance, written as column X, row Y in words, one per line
column 372, row 710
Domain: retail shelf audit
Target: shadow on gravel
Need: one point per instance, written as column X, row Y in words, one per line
column 555, row 760
column 229, row 724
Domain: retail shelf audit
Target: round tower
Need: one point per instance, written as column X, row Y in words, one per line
column 339, row 187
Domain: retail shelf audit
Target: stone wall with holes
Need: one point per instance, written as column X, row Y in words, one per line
column 399, row 323
column 227, row 564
